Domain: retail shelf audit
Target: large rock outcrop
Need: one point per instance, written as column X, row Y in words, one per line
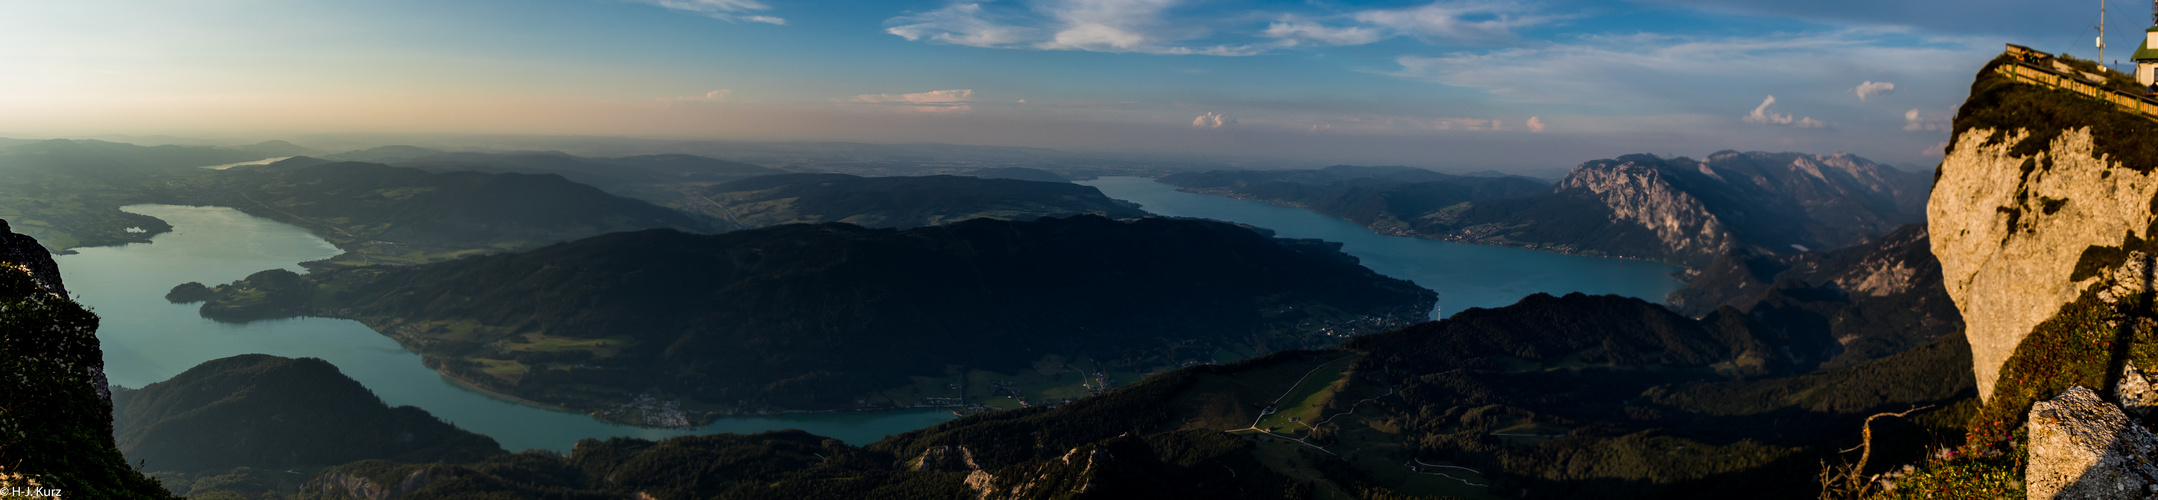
column 1775, row 201
column 2082, row 447
column 25, row 253
column 1639, row 194
column 2010, row 230
column 56, row 430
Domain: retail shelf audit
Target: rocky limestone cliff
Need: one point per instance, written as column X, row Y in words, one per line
column 2010, row 229
column 1699, row 210
column 1639, row 194
column 25, row 253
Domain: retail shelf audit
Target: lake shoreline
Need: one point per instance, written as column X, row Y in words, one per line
column 1224, row 193
column 147, row 339
column 1467, row 275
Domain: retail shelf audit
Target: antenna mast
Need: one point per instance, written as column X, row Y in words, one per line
column 2102, row 34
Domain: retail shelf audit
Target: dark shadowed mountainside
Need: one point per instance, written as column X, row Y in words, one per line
column 670, row 180
column 904, row 202
column 826, row 316
column 384, row 214
column 1573, row 397
column 265, row 411
column 56, row 427
column 1020, row 173
column 1874, row 299
column 1387, row 199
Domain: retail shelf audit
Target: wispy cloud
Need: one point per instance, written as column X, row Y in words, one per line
column 935, row 101
column 1536, row 124
column 725, row 10
column 713, row 96
column 1601, row 69
column 1165, row 27
column 1872, row 88
column 1212, row 120
column 1762, row 115
column 1141, row 26
column 1473, row 21
column 1294, row 30
column 1913, row 121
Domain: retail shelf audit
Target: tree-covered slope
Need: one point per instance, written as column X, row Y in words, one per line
column 823, row 316
column 669, row 180
column 401, row 215
column 904, row 202
column 1877, row 298
column 265, row 411
column 1383, row 198
column 1573, row 397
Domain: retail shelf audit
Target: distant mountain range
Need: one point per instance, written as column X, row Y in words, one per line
column 827, row 316
column 67, row 193
column 1678, row 210
column 904, row 202
column 390, row 214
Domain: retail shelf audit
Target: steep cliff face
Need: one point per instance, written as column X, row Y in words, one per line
column 56, row 428
column 1781, row 202
column 2010, row 230
column 1637, row 192
column 24, row 253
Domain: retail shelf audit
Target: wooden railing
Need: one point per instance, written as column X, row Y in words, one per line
column 2027, row 69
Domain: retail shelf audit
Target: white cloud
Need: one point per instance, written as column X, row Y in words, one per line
column 960, row 24
column 1872, row 88
column 1293, row 30
column 1913, row 121
column 1161, row 27
column 1603, row 69
column 724, row 10
column 935, row 101
column 713, row 96
column 1762, row 115
column 1093, row 25
column 1212, row 120
column 1474, row 20
column 1536, row 125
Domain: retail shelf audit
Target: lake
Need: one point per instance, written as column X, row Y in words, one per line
column 1465, row 275
column 147, row 339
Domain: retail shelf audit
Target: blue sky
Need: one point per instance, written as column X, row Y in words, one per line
column 1446, row 84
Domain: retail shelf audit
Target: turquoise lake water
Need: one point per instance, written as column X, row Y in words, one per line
column 147, row 339
column 1464, row 275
